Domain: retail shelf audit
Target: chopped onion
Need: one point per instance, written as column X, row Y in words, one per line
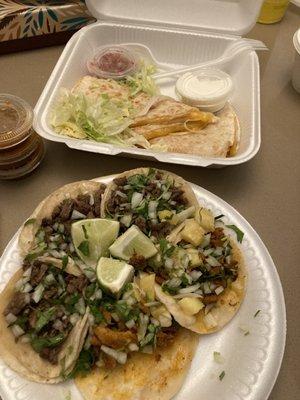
column 190, row 289
column 55, row 254
column 130, row 324
column 100, row 363
column 206, row 288
column 25, row 339
column 52, row 246
column 92, row 200
column 72, row 248
column 126, row 220
column 98, row 294
column 208, row 252
column 208, row 308
column 127, row 187
column 10, row 318
column 27, row 298
column 54, row 238
column 136, row 199
column 121, row 194
column 40, row 235
column 152, row 304
column 80, row 306
column 165, row 321
column 38, row 293
column 195, row 274
column 219, row 290
column 87, row 343
column 27, row 288
column 147, row 349
column 61, row 228
column 61, row 281
column 63, row 246
column 152, row 206
column 206, row 240
column 27, row 274
column 174, row 282
column 169, row 263
column 91, row 320
column 19, row 284
column 133, row 347
column 77, row 215
column 119, row 356
column 55, row 226
column 115, row 317
column 142, row 329
column 130, row 301
column 74, row 318
column 166, row 195
column 183, row 215
column 228, row 259
column 62, row 253
column 183, row 295
column 58, row 325
column 154, row 321
column 209, row 321
column 17, row 330
column 218, row 251
column 212, row 261
column 185, row 259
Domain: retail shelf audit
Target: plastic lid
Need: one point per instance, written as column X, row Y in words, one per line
column 114, row 62
column 207, row 88
column 296, row 40
column 233, row 17
column 15, row 120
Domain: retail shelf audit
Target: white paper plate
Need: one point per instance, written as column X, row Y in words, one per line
column 251, row 363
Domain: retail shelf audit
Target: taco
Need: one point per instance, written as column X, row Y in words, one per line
column 202, row 275
column 218, row 139
column 154, row 200
column 145, row 376
column 37, row 339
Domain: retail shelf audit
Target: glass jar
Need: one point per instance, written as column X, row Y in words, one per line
column 21, row 149
column 272, row 11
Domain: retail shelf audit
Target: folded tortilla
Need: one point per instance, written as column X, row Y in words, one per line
column 27, row 240
column 179, row 182
column 219, row 139
column 156, row 376
column 224, row 309
column 21, row 357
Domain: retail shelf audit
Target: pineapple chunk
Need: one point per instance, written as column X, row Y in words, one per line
column 164, row 214
column 190, row 305
column 195, row 259
column 206, row 219
column 192, row 232
column 162, row 315
column 147, row 285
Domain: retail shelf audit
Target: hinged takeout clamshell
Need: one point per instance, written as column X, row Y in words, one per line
column 179, row 33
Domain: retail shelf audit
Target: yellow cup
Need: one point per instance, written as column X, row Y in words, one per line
column 272, row 11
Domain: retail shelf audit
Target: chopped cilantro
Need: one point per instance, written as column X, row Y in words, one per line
column 96, row 313
column 84, row 248
column 43, row 317
column 239, row 233
column 39, row 344
column 21, row 321
column 256, row 314
column 90, row 290
column 184, row 280
column 64, row 262
column 221, row 376
column 166, row 248
column 83, row 364
column 30, row 221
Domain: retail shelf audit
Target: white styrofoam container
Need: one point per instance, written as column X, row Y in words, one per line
column 179, row 33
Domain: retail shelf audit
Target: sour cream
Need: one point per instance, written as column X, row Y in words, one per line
column 208, row 89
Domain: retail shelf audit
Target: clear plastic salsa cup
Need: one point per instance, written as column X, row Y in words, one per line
column 21, row 149
column 112, row 62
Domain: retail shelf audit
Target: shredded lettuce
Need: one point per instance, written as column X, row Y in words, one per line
column 142, row 81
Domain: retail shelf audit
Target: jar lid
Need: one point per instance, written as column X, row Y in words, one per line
column 114, row 62
column 206, row 88
column 16, row 117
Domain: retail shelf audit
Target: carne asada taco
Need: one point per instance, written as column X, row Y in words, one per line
column 145, row 376
column 153, row 200
column 52, row 219
column 37, row 338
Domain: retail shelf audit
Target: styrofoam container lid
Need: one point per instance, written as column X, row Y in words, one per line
column 233, row 17
column 296, row 40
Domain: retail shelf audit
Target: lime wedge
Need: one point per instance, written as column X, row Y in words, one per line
column 133, row 241
column 92, row 238
column 113, row 274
